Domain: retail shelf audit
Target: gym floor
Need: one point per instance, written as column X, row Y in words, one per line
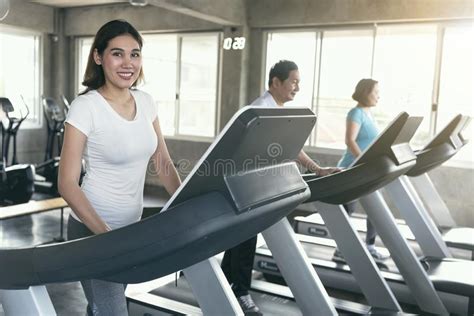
column 26, row 231
column 68, row 298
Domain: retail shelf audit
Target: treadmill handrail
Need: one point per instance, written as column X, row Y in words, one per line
column 154, row 247
column 201, row 223
column 387, row 158
column 442, row 147
column 352, row 183
column 446, row 132
column 383, row 141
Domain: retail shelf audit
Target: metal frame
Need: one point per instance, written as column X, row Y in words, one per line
column 363, row 266
column 426, row 233
column 438, row 209
column 32, row 301
column 297, row 271
column 210, row 286
column 408, row 264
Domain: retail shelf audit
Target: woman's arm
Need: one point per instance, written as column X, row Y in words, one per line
column 68, row 180
column 163, row 163
column 352, row 130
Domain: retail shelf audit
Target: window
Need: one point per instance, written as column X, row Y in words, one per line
column 20, row 81
column 281, row 46
column 456, row 83
column 160, row 59
column 181, row 72
column 346, row 57
column 84, row 47
column 198, row 85
column 404, row 65
column 424, row 69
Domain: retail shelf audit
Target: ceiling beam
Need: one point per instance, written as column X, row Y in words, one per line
column 223, row 12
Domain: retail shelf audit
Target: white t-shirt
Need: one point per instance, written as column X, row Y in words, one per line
column 116, row 154
column 265, row 100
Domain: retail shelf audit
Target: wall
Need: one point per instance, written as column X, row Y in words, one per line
column 284, row 13
column 30, row 16
column 87, row 20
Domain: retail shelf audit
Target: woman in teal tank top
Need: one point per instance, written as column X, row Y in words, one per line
column 361, row 131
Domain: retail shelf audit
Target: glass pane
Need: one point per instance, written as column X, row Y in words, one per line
column 84, row 47
column 198, row 85
column 159, row 66
column 404, row 66
column 299, row 47
column 345, row 59
column 20, row 80
column 456, row 83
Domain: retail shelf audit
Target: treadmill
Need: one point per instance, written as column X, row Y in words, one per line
column 210, row 212
column 447, row 143
column 460, row 240
column 167, row 296
column 263, row 154
column 454, row 290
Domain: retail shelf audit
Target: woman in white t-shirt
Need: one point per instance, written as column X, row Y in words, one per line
column 115, row 129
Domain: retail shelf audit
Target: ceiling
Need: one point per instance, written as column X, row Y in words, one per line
column 75, row 3
column 201, row 9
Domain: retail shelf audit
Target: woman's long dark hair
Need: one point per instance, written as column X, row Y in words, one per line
column 94, row 76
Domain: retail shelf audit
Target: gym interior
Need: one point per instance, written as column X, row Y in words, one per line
column 204, row 63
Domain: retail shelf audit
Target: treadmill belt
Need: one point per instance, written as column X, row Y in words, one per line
column 326, row 252
column 177, row 291
column 268, row 304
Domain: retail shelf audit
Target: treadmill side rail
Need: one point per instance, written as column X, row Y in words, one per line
column 413, row 273
column 213, row 293
column 32, row 301
column 298, row 272
column 363, row 267
column 410, row 206
column 436, row 206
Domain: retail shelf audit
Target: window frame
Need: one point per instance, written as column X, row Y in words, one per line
column 179, row 37
column 35, row 122
column 180, row 136
column 77, row 62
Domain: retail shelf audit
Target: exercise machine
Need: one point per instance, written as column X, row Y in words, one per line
column 46, row 180
column 279, row 148
column 217, row 206
column 436, row 286
column 16, row 185
column 441, row 148
column 169, row 299
column 459, row 240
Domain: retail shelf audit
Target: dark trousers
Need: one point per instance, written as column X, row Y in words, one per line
column 238, row 264
column 371, row 233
